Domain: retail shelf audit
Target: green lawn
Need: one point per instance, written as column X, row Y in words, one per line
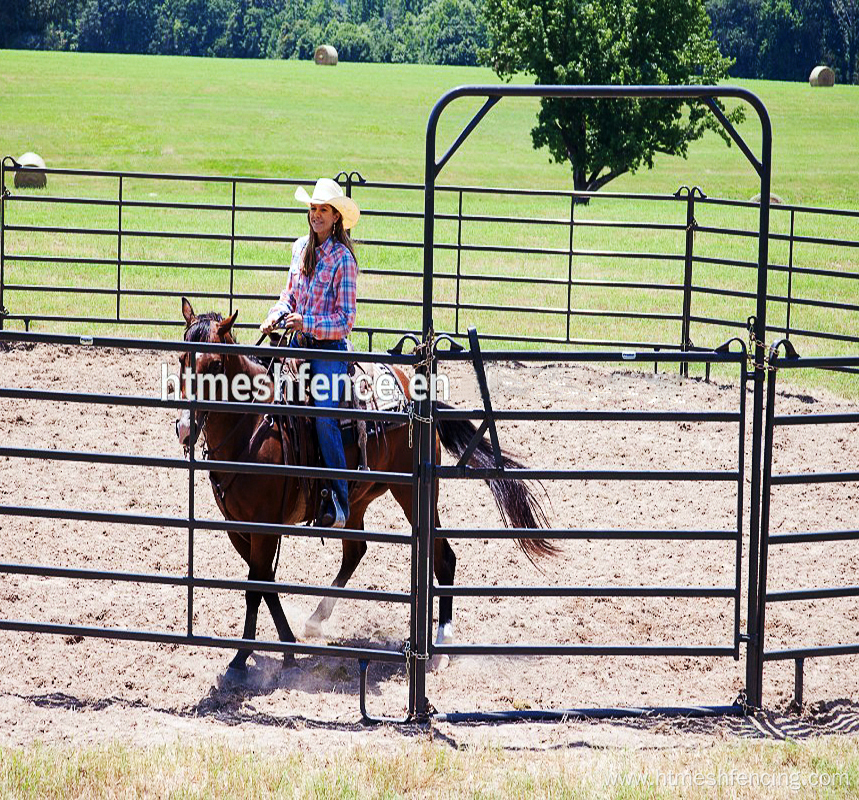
column 291, row 120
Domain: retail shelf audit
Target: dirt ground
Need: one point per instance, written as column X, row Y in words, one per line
column 88, row 691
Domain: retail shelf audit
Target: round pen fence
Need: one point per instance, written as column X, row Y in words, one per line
column 663, row 272
column 666, row 279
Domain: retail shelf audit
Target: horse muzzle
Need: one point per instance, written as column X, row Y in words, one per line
column 183, row 430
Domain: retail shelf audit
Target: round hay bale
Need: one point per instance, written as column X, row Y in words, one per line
column 822, row 76
column 325, row 55
column 31, row 177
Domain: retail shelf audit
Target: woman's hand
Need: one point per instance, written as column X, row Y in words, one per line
column 294, row 322
column 268, row 325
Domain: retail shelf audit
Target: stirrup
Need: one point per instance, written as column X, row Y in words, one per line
column 334, row 516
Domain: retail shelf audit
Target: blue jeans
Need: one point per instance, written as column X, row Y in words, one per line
column 327, row 428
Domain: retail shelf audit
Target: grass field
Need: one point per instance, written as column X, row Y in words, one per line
column 296, row 120
column 826, row 768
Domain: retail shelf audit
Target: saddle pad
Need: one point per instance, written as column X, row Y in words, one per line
column 366, row 379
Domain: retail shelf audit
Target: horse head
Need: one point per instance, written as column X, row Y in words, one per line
column 205, row 375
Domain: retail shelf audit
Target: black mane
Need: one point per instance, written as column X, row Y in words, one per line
column 198, row 330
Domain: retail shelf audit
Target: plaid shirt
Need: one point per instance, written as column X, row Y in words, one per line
column 325, row 300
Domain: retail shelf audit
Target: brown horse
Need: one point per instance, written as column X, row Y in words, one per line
column 275, row 499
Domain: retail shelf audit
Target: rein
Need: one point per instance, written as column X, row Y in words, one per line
column 208, row 451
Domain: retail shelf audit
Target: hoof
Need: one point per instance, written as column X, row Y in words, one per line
column 289, row 661
column 439, row 662
column 312, row 629
column 235, row 677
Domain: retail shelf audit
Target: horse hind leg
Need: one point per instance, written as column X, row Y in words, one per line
column 353, row 552
column 444, row 563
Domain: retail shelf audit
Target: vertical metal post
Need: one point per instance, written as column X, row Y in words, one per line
column 232, row 245
column 570, row 263
column 799, row 669
column 741, row 477
column 754, row 665
column 119, row 253
column 424, row 453
column 458, row 259
column 192, row 461
column 685, row 338
column 2, row 241
column 757, row 643
column 790, row 274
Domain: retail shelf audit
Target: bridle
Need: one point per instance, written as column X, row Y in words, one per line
column 199, row 423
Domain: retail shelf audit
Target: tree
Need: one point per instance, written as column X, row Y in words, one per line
column 610, row 42
column 453, row 32
column 847, row 14
column 115, row 26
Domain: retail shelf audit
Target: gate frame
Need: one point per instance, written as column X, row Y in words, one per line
column 424, row 461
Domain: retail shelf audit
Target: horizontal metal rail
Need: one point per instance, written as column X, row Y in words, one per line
column 198, row 523
column 271, row 409
column 809, row 537
column 608, row 356
column 580, row 650
column 374, row 330
column 572, row 533
column 575, row 415
column 827, row 593
column 584, row 591
column 161, row 637
column 201, row 347
column 588, row 474
column 814, row 477
column 811, row 652
column 569, row 714
column 207, row 465
column 71, row 573
column 788, row 420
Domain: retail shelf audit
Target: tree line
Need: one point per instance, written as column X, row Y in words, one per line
column 413, row 31
column 773, row 39
column 786, row 39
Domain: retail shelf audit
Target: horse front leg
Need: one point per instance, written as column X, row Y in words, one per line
column 284, row 632
column 260, row 557
column 238, row 668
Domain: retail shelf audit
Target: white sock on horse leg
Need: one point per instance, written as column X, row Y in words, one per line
column 445, row 633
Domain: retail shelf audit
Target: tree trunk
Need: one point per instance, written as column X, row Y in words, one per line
column 580, row 184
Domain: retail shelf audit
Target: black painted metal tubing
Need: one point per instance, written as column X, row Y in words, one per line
column 566, row 714
column 584, row 591
column 203, row 583
column 564, row 533
column 163, row 637
column 580, row 650
column 198, row 523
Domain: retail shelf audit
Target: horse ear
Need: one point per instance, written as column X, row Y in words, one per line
column 188, row 312
column 225, row 326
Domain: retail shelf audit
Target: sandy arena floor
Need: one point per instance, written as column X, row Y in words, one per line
column 74, row 690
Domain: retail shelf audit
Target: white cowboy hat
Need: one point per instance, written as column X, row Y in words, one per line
column 328, row 192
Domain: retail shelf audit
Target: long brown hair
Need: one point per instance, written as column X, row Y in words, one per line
column 340, row 234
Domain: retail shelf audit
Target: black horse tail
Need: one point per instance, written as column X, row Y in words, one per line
column 516, row 503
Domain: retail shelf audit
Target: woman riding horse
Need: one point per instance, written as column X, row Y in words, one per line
column 318, row 305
